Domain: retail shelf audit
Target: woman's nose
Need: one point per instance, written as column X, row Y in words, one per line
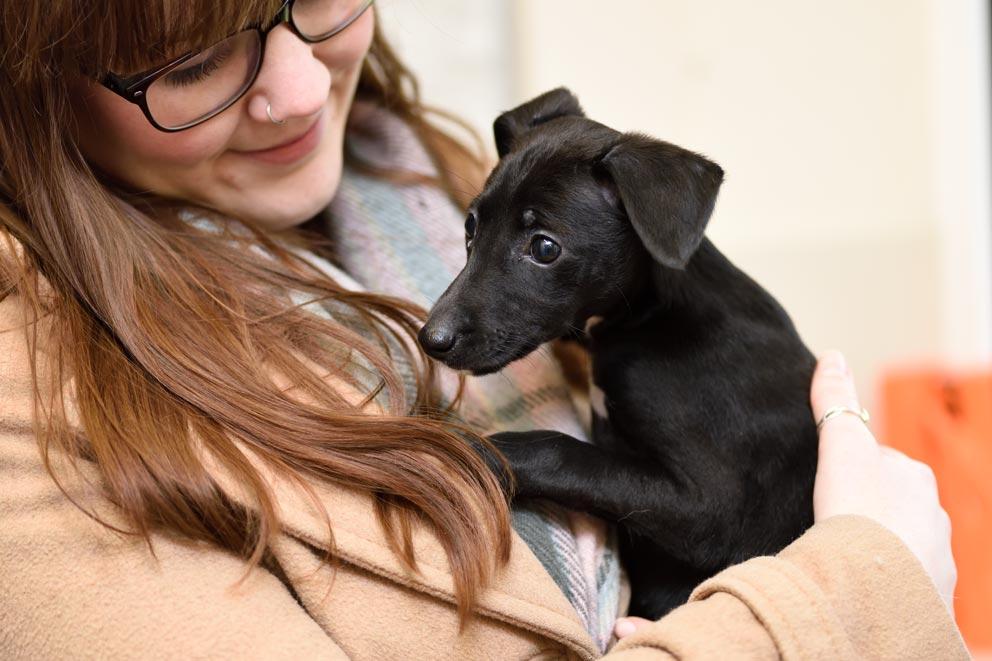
column 291, row 79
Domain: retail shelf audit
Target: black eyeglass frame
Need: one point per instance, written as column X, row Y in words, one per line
column 134, row 88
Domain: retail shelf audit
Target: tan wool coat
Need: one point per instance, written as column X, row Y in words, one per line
column 70, row 588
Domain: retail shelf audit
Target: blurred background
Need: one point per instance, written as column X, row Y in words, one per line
column 856, row 140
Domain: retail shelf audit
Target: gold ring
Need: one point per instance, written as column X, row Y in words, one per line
column 837, row 410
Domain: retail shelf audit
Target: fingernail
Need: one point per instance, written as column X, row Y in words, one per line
column 624, row 628
column 833, row 363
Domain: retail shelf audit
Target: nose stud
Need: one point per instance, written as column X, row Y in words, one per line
column 268, row 111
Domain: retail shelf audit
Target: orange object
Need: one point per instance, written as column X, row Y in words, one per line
column 945, row 419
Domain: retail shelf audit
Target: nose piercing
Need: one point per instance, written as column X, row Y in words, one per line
column 268, row 111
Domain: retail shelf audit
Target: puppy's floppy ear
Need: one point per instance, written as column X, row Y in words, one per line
column 514, row 123
column 668, row 194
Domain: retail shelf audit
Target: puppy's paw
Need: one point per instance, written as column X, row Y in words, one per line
column 532, row 456
column 493, row 455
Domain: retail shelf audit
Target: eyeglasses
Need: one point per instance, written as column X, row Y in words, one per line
column 196, row 86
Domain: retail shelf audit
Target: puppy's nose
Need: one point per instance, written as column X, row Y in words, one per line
column 437, row 340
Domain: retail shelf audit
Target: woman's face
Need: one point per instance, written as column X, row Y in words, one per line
column 239, row 162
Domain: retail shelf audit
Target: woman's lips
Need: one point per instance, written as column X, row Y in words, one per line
column 291, row 151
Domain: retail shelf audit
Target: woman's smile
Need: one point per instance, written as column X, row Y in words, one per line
column 292, row 150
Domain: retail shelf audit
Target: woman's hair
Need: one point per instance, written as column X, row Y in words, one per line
column 174, row 342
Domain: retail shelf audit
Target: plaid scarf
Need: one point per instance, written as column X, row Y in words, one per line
column 407, row 241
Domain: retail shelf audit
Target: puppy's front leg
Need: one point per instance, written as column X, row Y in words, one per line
column 689, row 520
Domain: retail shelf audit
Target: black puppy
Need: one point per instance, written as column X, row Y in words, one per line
column 705, row 446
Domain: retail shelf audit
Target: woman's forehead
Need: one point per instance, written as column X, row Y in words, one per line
column 146, row 32
column 92, row 37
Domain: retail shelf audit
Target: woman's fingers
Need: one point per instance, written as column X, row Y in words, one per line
column 832, row 385
column 628, row 625
column 848, row 453
column 855, row 475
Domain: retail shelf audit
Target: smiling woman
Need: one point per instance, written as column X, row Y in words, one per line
column 240, row 163
column 178, row 329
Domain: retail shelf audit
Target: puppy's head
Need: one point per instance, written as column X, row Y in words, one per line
column 564, row 229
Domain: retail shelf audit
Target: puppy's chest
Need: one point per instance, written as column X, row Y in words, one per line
column 632, row 396
column 602, row 383
column 597, row 399
column 604, row 432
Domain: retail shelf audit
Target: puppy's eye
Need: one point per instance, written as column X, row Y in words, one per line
column 544, row 250
column 470, row 224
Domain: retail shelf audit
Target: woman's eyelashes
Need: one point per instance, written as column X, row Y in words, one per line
column 200, row 67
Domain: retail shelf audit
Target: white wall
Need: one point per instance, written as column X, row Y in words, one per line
column 854, row 135
column 962, row 176
column 459, row 50
column 825, row 118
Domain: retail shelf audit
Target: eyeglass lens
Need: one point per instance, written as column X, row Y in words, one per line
column 208, row 82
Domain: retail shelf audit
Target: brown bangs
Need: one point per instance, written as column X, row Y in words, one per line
column 124, row 36
column 148, row 33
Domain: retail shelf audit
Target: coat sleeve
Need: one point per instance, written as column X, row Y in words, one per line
column 847, row 589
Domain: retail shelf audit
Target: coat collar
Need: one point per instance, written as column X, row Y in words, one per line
column 523, row 594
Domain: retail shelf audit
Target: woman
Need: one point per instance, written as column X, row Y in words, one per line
column 203, row 423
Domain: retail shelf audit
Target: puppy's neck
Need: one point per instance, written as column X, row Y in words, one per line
column 710, row 287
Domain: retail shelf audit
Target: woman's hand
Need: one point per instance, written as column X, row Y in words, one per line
column 856, row 475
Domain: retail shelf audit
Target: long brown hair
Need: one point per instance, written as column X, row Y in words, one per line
column 172, row 336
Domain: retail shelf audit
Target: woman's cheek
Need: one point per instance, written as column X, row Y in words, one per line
column 186, row 149
column 347, row 49
column 117, row 137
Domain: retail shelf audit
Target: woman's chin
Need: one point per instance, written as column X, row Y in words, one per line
column 285, row 217
column 281, row 204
